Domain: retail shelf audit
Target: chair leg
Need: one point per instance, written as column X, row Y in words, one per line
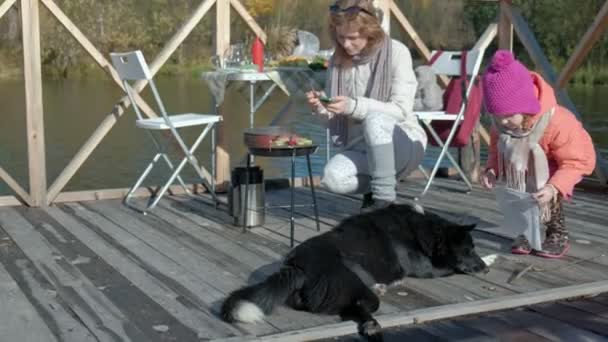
column 192, row 160
column 141, row 177
column 444, row 153
column 179, row 178
column 213, row 161
column 312, row 190
column 165, row 187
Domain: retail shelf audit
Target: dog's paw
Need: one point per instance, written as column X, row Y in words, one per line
column 379, row 289
column 371, row 331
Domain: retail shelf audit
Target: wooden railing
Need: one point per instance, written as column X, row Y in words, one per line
column 41, row 195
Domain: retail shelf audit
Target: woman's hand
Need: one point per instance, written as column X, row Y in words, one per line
column 545, row 195
column 488, row 179
column 339, row 104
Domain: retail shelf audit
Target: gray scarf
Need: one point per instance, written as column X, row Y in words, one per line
column 522, row 163
column 378, row 88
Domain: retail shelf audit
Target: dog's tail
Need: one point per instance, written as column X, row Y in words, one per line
column 250, row 304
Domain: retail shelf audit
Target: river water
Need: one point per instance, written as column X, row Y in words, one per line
column 73, row 110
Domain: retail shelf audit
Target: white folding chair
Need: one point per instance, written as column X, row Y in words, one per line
column 131, row 66
column 449, row 63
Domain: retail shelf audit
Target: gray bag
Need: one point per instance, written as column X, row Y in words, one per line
column 521, row 214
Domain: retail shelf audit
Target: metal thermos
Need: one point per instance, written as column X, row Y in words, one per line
column 256, row 204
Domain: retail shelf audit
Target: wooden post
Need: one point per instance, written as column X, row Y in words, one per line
column 222, row 27
column 593, row 34
column 505, row 28
column 385, row 6
column 33, row 101
column 222, row 43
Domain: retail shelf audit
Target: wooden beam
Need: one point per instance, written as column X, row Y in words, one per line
column 119, row 109
column 222, row 26
column 253, row 25
column 6, row 5
column 32, row 72
column 10, row 201
column 93, row 52
column 12, row 183
column 593, row 34
column 505, row 28
column 385, row 6
column 527, row 38
column 418, row 43
column 435, row 313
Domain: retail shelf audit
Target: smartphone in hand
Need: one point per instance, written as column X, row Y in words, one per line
column 326, row 99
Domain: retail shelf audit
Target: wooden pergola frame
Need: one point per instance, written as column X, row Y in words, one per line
column 42, row 195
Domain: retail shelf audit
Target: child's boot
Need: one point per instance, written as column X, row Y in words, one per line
column 556, row 243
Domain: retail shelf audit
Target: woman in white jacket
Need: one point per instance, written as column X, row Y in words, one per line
column 371, row 87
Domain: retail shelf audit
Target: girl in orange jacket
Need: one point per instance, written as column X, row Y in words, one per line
column 536, row 146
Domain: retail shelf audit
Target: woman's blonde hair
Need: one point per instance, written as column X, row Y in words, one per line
column 367, row 20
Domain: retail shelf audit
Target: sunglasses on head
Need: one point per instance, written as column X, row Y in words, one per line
column 349, row 10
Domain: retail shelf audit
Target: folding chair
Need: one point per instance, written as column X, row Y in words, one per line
column 131, row 66
column 449, row 63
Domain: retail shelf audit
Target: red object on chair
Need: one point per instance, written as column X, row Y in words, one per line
column 257, row 53
column 452, row 100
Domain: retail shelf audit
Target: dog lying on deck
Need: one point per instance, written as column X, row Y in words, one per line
column 333, row 273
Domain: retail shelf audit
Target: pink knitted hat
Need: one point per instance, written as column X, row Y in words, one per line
column 508, row 87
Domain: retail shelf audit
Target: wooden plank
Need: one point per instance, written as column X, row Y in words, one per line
column 21, row 322
column 193, row 264
column 385, row 6
column 9, row 201
column 448, row 331
column 58, row 317
column 106, row 125
column 105, row 321
column 529, row 41
column 194, row 314
column 544, row 326
column 12, row 183
column 6, row 6
column 486, row 37
column 32, row 73
column 499, row 329
column 249, row 20
column 222, row 27
column 593, row 34
column 418, row 43
column 445, row 311
column 578, row 318
column 505, row 28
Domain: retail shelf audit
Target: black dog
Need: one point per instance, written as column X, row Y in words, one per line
column 332, row 273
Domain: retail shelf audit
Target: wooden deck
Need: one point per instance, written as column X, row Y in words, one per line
column 98, row 271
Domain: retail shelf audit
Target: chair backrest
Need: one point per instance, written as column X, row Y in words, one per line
column 449, row 62
column 132, row 66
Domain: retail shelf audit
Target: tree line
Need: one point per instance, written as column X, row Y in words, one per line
column 148, row 24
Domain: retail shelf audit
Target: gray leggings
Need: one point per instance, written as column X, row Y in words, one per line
column 358, row 170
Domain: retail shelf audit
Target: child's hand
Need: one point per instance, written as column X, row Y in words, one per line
column 545, row 195
column 488, row 179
